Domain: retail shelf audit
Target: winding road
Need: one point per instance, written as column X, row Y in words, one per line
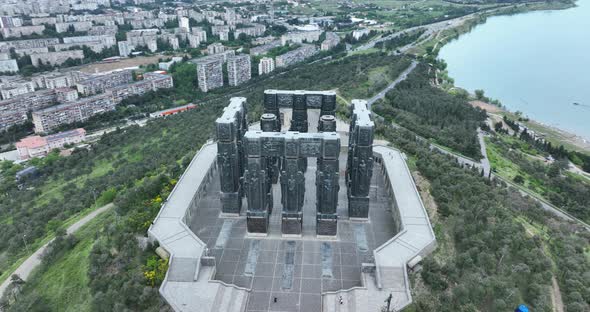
column 25, row 269
column 392, row 85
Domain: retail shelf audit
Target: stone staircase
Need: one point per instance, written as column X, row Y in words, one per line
column 229, row 298
column 355, row 299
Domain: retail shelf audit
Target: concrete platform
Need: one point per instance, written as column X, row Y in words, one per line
column 216, row 265
column 295, row 270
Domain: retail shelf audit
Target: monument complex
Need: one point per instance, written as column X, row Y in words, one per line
column 299, row 211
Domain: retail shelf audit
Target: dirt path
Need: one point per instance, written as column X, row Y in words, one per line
column 556, row 296
column 25, row 269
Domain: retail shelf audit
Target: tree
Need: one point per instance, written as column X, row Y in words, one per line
column 479, row 94
column 518, row 179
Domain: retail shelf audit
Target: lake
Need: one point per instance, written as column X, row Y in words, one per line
column 537, row 63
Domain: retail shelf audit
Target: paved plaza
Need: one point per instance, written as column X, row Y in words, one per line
column 294, row 270
column 224, row 257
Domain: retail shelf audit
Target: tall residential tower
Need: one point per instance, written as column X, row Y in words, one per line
column 239, row 69
column 210, row 73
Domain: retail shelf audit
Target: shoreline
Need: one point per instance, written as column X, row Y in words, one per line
column 550, row 133
column 553, row 134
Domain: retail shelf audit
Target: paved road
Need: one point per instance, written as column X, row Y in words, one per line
column 392, row 85
column 25, row 269
column 485, row 162
column 430, row 29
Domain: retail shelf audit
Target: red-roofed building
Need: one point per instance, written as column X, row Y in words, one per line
column 172, row 111
column 38, row 146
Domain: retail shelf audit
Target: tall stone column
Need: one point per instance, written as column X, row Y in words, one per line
column 299, row 118
column 258, row 187
column 328, row 105
column 299, row 121
column 359, row 169
column 327, row 187
column 271, row 105
column 270, row 123
column 230, row 130
column 292, row 189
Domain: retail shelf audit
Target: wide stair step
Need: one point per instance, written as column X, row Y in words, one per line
column 218, row 298
column 230, row 299
column 240, row 301
column 354, row 300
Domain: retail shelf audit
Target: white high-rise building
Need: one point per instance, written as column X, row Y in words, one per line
column 184, row 24
column 266, row 65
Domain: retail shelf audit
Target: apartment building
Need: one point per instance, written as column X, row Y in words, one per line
column 150, row 82
column 255, row 30
column 266, row 65
column 98, row 84
column 66, row 95
column 14, row 110
column 295, row 56
column 107, row 40
column 209, row 73
column 58, row 80
column 332, row 40
column 49, row 118
column 301, row 37
column 239, row 69
column 75, row 26
column 215, row 48
column 263, row 49
column 17, row 32
column 5, row 46
column 37, row 146
column 8, row 66
column 10, row 90
column 52, row 117
column 56, row 58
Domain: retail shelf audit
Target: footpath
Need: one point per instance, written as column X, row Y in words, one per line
column 25, row 269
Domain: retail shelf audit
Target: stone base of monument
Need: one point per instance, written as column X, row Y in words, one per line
column 327, row 227
column 231, row 202
column 229, row 215
column 358, row 207
column 291, row 226
column 257, row 224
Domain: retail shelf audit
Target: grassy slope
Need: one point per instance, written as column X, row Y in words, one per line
column 65, row 283
column 507, row 169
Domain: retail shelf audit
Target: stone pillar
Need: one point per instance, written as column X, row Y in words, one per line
column 230, row 128
column 328, row 105
column 292, row 189
column 359, row 169
column 327, row 187
column 270, row 123
column 271, row 105
column 299, row 117
column 327, row 123
column 258, row 187
column 292, row 195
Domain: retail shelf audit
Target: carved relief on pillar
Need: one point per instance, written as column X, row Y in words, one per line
column 230, row 128
column 258, row 193
column 359, row 167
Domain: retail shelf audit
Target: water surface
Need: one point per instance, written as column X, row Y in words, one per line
column 537, row 63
